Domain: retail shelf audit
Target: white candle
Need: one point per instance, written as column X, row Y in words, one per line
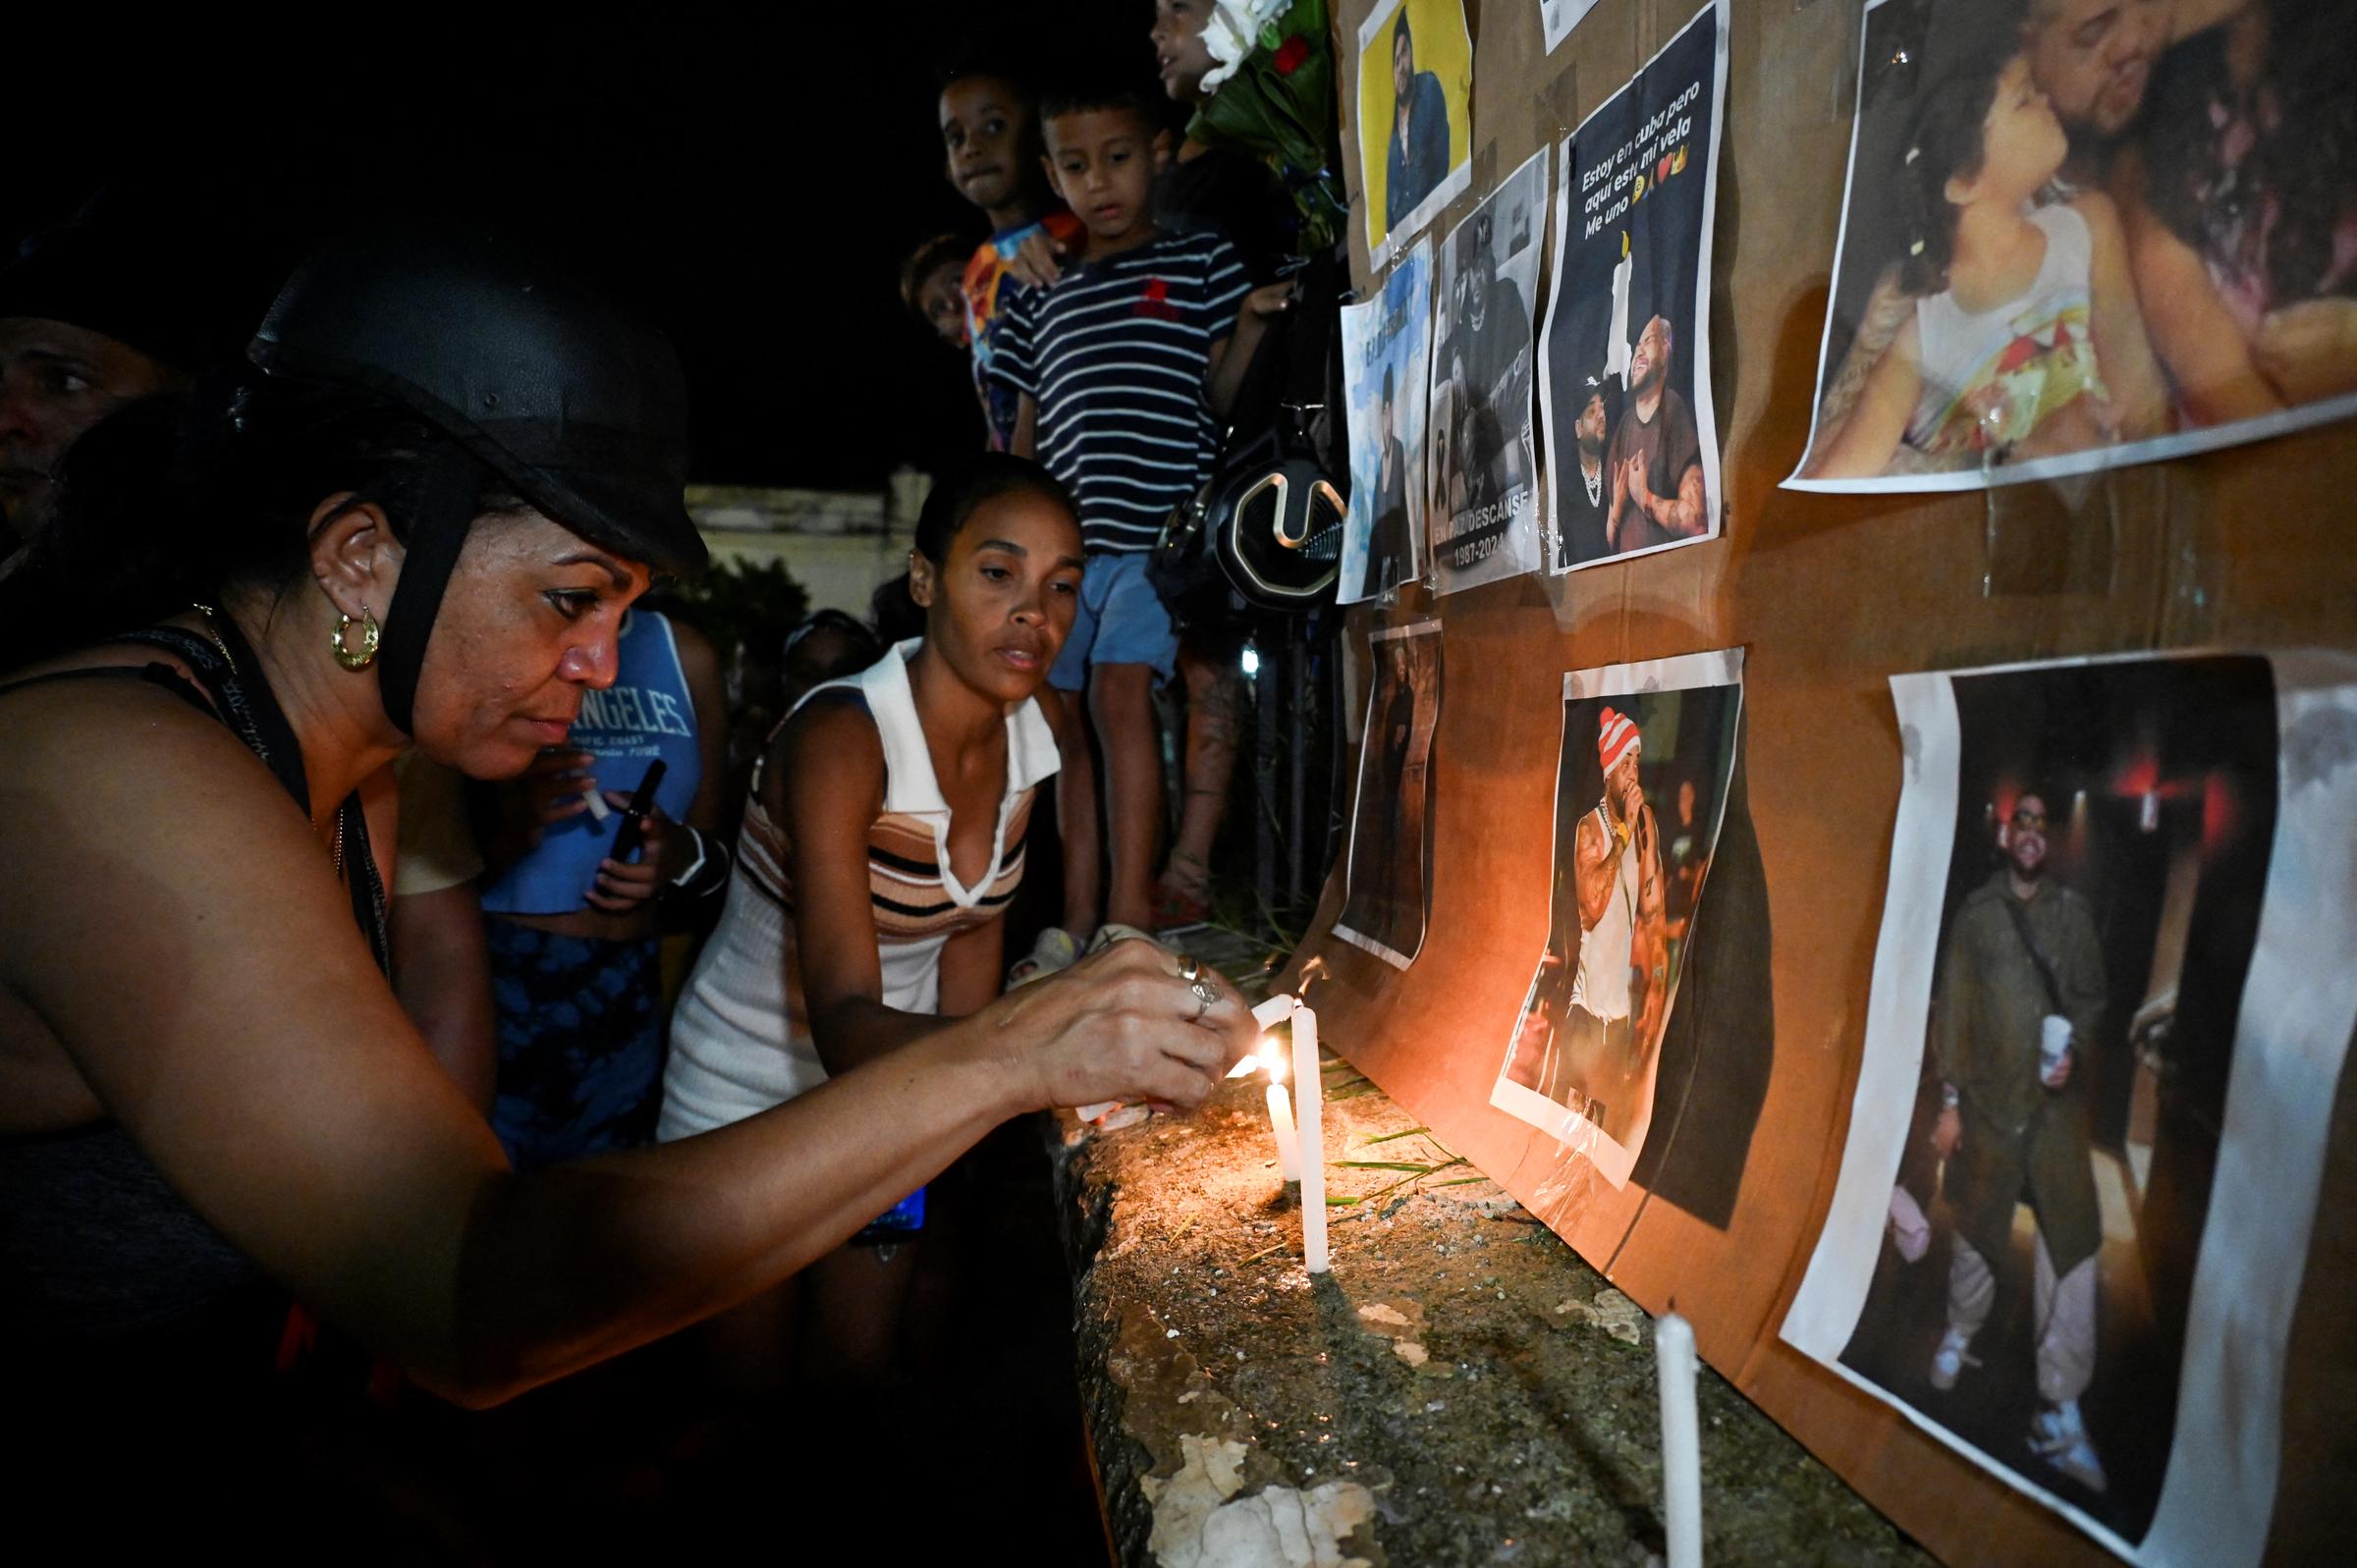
column 1270, row 1012
column 1682, row 1440
column 1313, row 1138
column 1289, row 1142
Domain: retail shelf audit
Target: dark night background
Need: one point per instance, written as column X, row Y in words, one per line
column 750, row 183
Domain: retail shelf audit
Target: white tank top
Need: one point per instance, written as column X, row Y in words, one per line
column 1990, row 376
column 1601, row 988
column 741, row 1038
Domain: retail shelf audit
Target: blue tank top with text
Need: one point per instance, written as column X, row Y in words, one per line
column 645, row 714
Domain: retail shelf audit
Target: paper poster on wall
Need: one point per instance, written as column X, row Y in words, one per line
column 2110, row 1006
column 1632, row 439
column 1387, row 367
column 2076, row 238
column 1386, row 876
column 1415, row 117
column 1646, row 753
column 1557, row 18
column 1485, row 522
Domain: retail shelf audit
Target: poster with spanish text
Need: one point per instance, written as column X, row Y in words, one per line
column 1631, row 432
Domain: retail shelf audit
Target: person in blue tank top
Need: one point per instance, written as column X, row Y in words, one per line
column 575, row 971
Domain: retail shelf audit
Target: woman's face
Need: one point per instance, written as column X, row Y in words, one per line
column 1403, row 70
column 997, row 610
column 530, row 618
column 1180, row 52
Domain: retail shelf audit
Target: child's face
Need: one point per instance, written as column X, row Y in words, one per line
column 1102, row 162
column 984, row 128
column 940, row 298
column 1178, row 48
column 2022, row 143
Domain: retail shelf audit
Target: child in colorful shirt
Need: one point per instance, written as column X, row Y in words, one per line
column 992, row 140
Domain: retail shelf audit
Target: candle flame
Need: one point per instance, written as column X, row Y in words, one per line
column 1267, row 1056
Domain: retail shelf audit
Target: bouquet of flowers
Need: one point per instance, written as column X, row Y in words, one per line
column 1271, row 96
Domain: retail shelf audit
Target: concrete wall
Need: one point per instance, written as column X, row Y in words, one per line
column 838, row 544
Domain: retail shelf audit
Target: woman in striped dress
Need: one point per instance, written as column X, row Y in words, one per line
column 882, row 842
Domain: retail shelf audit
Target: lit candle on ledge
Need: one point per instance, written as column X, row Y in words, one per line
column 1682, row 1440
column 1313, row 1138
column 1281, row 1115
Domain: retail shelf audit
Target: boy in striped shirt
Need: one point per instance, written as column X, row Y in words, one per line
column 1121, row 368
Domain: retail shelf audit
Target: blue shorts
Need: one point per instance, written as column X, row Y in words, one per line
column 1120, row 620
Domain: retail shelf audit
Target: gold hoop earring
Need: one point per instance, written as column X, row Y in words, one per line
column 347, row 655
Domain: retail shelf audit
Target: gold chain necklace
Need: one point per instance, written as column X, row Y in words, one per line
column 335, row 854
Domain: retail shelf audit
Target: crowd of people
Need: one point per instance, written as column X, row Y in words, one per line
column 398, row 1070
column 1109, row 317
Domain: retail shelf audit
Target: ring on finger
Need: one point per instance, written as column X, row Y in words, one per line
column 1203, row 998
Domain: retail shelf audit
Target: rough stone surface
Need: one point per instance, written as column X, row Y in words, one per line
column 1459, row 1388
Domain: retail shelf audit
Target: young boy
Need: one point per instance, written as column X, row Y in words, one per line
column 992, row 141
column 1118, row 370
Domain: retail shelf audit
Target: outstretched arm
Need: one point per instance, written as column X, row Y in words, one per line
column 1231, row 361
column 2123, row 351
column 1889, row 307
column 1869, row 438
column 179, row 936
column 2193, row 332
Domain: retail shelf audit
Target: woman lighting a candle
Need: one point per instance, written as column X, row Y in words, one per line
column 422, row 513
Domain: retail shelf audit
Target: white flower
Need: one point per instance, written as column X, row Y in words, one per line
column 1233, row 33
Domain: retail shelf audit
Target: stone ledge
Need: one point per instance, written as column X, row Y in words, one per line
column 1462, row 1388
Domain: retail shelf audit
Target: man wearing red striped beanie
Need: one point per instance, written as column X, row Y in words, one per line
column 1614, row 1019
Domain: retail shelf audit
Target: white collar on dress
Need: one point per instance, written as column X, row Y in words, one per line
column 910, row 784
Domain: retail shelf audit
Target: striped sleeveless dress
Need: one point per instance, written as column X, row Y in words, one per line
column 741, row 1038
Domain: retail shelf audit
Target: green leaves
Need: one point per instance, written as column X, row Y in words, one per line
column 1412, row 1170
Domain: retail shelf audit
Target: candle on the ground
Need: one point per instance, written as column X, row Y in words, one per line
column 1313, row 1138
column 1289, row 1142
column 1682, row 1440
